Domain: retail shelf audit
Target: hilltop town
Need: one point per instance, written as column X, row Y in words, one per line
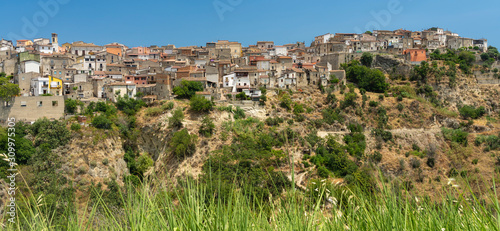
column 383, row 119
column 48, row 72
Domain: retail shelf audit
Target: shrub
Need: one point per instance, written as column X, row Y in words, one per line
column 207, row 127
column 415, row 147
column 455, row 135
column 144, row 162
column 270, row 121
column 366, row 78
column 242, row 96
column 286, row 102
column 349, row 100
column 153, row 111
column 376, row 157
column 102, row 122
column 366, row 59
column 200, row 104
column 299, row 118
column 175, row 121
column 431, row 161
column 323, row 172
column 332, row 115
column 71, row 105
column 105, row 161
column 373, row 104
column 187, row 89
column 400, row 107
column 471, row 112
column 82, row 170
column 239, row 113
column 128, row 105
column 298, row 108
column 381, row 97
column 76, row 127
column 53, row 133
column 167, row 106
column 385, row 135
column 415, row 163
column 182, row 144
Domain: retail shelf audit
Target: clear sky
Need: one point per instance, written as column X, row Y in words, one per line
column 195, row 22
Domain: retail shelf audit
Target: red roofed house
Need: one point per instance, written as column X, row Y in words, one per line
column 415, row 55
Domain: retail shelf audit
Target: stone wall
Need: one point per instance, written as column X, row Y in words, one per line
column 30, row 109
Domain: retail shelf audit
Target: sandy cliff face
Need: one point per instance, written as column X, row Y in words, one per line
column 93, row 158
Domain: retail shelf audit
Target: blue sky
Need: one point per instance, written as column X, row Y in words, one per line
column 195, row 22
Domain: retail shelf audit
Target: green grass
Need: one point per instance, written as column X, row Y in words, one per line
column 193, row 207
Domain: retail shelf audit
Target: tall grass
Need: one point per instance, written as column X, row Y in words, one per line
column 323, row 207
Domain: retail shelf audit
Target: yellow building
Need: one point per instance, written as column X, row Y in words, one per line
column 55, row 86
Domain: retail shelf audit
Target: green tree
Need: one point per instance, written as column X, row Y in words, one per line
column 128, row 105
column 471, row 112
column 286, row 102
column 207, row 127
column 367, row 59
column 24, row 147
column 144, row 162
column 175, row 121
column 182, row 144
column 102, row 122
column 53, row 133
column 421, row 72
column 366, row 78
column 187, row 89
column 71, row 105
column 7, row 89
column 331, row 99
column 200, row 104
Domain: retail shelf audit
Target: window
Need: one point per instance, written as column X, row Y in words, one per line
column 55, row 103
column 23, row 103
column 40, row 103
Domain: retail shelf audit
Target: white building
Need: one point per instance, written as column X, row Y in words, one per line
column 30, row 66
column 281, row 51
column 45, row 49
column 229, row 80
column 287, row 80
column 120, row 89
column 39, row 86
column 92, row 63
